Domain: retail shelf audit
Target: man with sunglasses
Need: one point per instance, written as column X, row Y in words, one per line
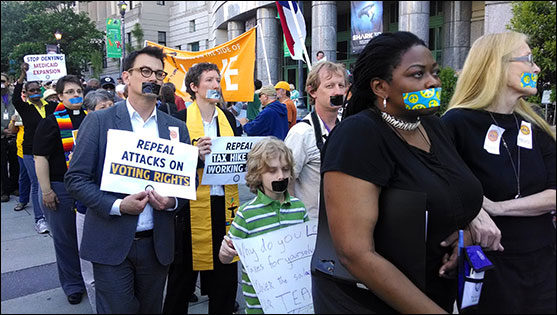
column 32, row 113
column 128, row 238
column 10, row 166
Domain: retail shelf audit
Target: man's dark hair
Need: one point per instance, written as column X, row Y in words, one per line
column 258, row 84
column 149, row 50
column 171, row 85
column 167, row 94
column 70, row 78
column 378, row 59
column 320, row 52
column 194, row 74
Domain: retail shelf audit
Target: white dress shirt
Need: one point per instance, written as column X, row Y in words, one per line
column 210, row 129
column 149, row 128
column 307, row 163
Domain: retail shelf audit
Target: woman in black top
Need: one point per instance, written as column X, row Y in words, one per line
column 383, row 147
column 32, row 113
column 512, row 152
column 52, row 147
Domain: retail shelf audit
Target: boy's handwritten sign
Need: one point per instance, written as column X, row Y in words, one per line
column 278, row 264
column 226, row 164
column 134, row 163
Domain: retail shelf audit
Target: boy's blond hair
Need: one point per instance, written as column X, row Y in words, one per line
column 259, row 157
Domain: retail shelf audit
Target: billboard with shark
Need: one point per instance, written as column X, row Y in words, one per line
column 367, row 22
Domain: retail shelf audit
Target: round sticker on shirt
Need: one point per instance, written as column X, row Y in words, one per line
column 492, row 135
column 525, row 130
column 173, row 134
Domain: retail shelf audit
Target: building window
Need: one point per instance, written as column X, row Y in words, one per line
column 194, row 46
column 179, row 47
column 435, row 8
column 129, row 38
column 160, row 2
column 131, row 5
column 393, row 15
column 162, row 38
column 192, row 26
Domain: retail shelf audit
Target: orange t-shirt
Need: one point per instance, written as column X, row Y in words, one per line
column 292, row 112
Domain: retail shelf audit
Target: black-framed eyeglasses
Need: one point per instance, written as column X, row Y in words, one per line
column 3, row 81
column 146, row 72
column 528, row 58
column 71, row 92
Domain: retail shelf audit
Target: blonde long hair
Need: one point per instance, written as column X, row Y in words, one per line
column 484, row 75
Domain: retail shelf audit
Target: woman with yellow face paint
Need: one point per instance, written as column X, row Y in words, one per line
column 512, row 152
column 391, row 144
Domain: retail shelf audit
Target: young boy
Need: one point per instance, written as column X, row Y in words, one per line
column 270, row 165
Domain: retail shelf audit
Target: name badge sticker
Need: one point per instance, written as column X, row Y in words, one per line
column 6, row 115
column 492, row 140
column 524, row 138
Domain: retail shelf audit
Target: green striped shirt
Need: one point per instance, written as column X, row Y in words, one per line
column 260, row 216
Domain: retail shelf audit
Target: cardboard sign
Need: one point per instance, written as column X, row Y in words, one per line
column 278, row 264
column 136, row 162
column 45, row 67
column 226, row 164
column 235, row 60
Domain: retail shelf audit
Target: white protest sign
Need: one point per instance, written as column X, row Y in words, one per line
column 45, row 67
column 134, row 163
column 278, row 265
column 226, row 164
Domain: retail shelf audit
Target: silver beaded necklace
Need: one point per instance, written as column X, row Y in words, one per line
column 399, row 124
column 515, row 169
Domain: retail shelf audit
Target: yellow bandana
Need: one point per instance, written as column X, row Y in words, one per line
column 200, row 209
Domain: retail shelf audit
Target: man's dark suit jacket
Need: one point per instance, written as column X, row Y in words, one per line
column 107, row 239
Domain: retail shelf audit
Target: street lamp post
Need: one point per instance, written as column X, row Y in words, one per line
column 58, row 36
column 122, row 5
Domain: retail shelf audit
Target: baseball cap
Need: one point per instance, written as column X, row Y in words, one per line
column 267, row 90
column 107, row 81
column 282, row 85
column 48, row 92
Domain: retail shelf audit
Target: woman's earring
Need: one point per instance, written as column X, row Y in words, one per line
column 385, row 103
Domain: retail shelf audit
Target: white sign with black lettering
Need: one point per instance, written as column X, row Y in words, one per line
column 135, row 162
column 278, row 264
column 226, row 164
column 45, row 67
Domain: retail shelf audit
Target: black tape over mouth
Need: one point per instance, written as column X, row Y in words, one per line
column 337, row 100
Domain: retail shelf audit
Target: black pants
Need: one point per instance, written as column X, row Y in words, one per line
column 220, row 284
column 10, row 166
column 520, row 284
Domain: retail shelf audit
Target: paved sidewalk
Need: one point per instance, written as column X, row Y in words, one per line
column 30, row 284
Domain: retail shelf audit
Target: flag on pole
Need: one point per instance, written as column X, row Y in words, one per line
column 294, row 42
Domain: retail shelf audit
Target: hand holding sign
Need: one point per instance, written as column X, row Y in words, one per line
column 227, row 251
column 134, row 204
column 204, row 145
column 159, row 202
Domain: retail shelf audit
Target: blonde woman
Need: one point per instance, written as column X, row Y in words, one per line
column 512, row 152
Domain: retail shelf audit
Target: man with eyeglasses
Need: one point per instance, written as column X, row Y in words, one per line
column 52, row 146
column 128, row 238
column 10, row 166
column 32, row 112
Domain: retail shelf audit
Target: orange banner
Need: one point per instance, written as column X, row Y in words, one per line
column 235, row 60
